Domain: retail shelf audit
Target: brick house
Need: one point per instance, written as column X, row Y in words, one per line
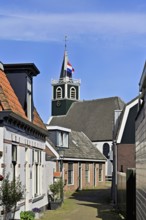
column 141, row 150
column 22, row 135
column 125, row 137
column 77, row 159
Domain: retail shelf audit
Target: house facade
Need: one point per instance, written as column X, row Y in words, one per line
column 22, row 135
column 141, row 150
column 79, row 162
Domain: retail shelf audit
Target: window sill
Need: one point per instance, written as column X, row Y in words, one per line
column 70, row 184
column 38, row 198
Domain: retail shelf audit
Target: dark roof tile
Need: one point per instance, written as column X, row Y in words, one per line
column 80, row 147
column 95, row 117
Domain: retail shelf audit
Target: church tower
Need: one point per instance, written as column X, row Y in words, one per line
column 66, row 90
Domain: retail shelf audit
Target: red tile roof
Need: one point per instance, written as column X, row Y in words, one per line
column 37, row 120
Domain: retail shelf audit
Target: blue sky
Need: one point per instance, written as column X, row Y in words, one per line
column 106, row 44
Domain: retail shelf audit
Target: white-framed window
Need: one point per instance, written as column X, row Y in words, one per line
column 26, row 155
column 65, row 139
column 59, row 93
column 100, row 172
column 70, row 173
column 27, row 168
column 87, row 173
column 62, row 139
column 14, row 160
column 72, row 93
column 14, row 153
column 36, row 162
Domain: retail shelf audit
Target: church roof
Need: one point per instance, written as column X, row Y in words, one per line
column 95, row 117
column 9, row 101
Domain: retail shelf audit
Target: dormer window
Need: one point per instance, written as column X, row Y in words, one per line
column 62, row 139
column 72, row 93
column 59, row 93
column 59, row 135
column 29, row 99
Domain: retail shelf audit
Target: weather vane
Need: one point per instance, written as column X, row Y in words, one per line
column 65, row 42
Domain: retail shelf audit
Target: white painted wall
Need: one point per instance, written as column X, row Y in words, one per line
column 108, row 164
column 9, row 136
column 50, row 168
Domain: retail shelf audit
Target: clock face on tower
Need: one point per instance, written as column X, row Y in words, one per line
column 58, row 103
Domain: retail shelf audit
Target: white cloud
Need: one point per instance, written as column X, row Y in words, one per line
column 48, row 27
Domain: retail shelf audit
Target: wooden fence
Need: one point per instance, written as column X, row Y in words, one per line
column 126, row 194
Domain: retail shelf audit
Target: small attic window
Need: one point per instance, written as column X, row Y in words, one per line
column 62, row 139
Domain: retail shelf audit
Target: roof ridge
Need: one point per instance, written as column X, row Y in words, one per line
column 111, row 97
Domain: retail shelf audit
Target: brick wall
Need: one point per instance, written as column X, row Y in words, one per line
column 125, row 157
column 92, row 181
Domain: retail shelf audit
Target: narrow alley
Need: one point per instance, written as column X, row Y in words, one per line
column 90, row 204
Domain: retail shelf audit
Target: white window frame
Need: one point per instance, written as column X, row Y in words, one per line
column 37, row 172
column 87, row 173
column 65, row 139
column 72, row 174
column 14, row 160
column 62, row 139
column 100, row 174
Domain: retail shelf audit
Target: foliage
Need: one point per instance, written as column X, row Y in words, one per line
column 10, row 193
column 57, row 188
column 27, row 215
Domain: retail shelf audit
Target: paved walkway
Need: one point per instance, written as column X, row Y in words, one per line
column 93, row 204
column 86, row 205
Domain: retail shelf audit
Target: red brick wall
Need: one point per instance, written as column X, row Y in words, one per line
column 90, row 184
column 125, row 156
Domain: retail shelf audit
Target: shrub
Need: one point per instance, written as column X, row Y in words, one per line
column 11, row 192
column 27, row 215
column 57, row 188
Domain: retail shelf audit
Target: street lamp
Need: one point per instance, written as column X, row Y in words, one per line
column 61, row 157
